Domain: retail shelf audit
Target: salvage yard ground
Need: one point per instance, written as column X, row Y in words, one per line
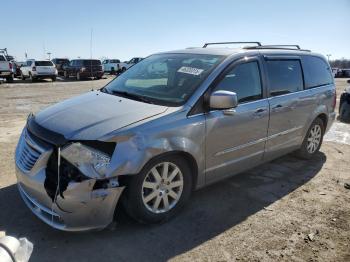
column 286, row 210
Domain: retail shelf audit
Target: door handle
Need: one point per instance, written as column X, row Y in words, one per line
column 277, row 106
column 260, row 110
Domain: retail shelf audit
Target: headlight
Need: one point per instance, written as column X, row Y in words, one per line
column 89, row 161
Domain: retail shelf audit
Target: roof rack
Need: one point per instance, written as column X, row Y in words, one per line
column 225, row 43
column 284, row 47
column 4, row 50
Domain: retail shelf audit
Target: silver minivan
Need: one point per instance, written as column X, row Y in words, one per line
column 175, row 122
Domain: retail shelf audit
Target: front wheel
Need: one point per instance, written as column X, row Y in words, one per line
column 53, row 79
column 159, row 191
column 66, row 75
column 312, row 141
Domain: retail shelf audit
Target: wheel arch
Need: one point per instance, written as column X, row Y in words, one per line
column 324, row 119
column 190, row 160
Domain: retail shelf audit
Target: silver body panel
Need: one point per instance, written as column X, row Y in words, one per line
column 220, row 144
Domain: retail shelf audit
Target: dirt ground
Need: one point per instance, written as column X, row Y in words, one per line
column 286, row 210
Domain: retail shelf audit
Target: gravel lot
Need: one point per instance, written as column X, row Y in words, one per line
column 286, row 210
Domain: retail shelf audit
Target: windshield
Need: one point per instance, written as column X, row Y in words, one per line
column 165, row 79
column 43, row 63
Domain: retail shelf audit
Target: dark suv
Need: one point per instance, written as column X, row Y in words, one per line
column 84, row 68
column 59, row 63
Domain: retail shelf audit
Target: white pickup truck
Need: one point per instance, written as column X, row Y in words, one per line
column 113, row 66
column 6, row 68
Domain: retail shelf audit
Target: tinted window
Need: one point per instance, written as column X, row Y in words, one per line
column 91, row 62
column 244, row 80
column 285, row 76
column 61, row 61
column 43, row 63
column 115, row 61
column 317, row 72
column 2, row 58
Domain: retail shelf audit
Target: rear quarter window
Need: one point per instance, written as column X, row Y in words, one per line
column 316, row 72
column 2, row 58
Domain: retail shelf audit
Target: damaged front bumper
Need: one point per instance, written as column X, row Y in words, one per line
column 81, row 206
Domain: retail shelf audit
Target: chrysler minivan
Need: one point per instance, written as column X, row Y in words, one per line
column 174, row 122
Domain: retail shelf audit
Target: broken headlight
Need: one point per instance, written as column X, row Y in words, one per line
column 91, row 162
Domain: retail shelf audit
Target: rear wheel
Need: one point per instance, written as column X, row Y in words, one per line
column 9, row 79
column 159, row 191
column 313, row 140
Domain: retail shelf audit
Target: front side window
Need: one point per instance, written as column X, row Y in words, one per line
column 317, row 72
column 285, row 76
column 244, row 80
column 165, row 79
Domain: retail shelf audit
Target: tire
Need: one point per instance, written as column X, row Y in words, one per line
column 143, row 192
column 78, row 76
column 66, row 75
column 123, row 69
column 9, row 79
column 31, row 78
column 54, row 79
column 23, row 77
column 313, row 136
column 344, row 112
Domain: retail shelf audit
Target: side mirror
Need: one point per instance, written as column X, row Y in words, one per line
column 222, row 99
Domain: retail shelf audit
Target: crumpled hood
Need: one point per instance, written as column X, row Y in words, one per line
column 94, row 114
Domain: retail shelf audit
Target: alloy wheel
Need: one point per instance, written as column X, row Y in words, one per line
column 162, row 187
column 314, row 139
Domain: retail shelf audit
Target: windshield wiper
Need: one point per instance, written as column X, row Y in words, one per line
column 132, row 96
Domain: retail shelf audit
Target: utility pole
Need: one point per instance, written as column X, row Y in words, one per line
column 328, row 56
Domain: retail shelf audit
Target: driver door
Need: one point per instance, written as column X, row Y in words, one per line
column 235, row 139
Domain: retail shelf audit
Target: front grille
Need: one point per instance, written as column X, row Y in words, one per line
column 26, row 155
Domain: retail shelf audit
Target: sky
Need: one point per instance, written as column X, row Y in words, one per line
column 132, row 28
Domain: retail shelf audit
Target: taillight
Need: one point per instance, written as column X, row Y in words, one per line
column 34, row 68
column 334, row 99
column 10, row 65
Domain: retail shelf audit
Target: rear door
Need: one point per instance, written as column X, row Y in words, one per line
column 235, row 142
column 290, row 104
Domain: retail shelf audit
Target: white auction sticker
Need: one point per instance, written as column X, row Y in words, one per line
column 190, row 70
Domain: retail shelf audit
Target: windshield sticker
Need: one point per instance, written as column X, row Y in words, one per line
column 190, row 70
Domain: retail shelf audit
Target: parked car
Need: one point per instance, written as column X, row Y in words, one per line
column 131, row 62
column 150, row 138
column 344, row 105
column 59, row 63
column 84, row 68
column 113, row 66
column 6, row 70
column 38, row 69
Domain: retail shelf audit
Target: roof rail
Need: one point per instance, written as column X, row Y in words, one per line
column 4, row 50
column 283, row 47
column 225, row 43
